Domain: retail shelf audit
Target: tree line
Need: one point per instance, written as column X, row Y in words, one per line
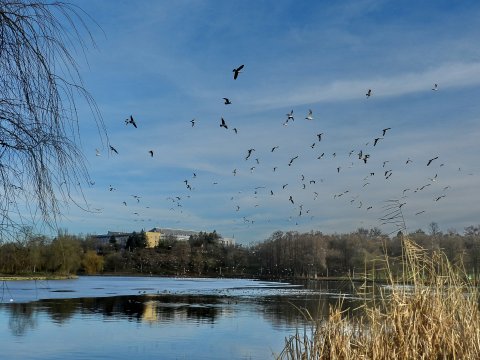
column 283, row 255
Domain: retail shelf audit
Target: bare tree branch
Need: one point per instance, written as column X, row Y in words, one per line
column 41, row 164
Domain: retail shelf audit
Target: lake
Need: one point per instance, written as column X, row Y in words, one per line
column 99, row 317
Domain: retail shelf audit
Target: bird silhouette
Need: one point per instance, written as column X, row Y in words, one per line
column 227, row 101
column 292, row 159
column 435, row 87
column 193, row 122
column 223, row 124
column 97, row 152
column 249, row 153
column 236, row 131
column 151, row 153
column 369, row 93
column 430, row 161
column 291, row 199
column 376, row 141
column 237, row 71
column 319, row 136
column 385, row 131
column 131, row 121
column 113, row 149
column 273, row 149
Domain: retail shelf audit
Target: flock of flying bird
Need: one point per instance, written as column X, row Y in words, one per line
column 362, row 155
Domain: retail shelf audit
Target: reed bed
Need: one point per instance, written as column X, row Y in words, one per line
column 430, row 312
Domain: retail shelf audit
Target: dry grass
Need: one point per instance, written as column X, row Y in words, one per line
column 430, row 313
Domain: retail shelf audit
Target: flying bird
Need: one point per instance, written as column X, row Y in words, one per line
column 291, row 199
column 376, row 140
column 310, row 115
column 290, row 116
column 385, row 131
column 430, row 161
column 275, row 147
column 236, row 130
column 435, row 87
column 249, row 153
column 292, row 159
column 193, row 122
column 319, row 136
column 223, row 124
column 97, row 152
column 131, row 121
column 321, row 155
column 151, row 153
column 237, row 71
column 369, row 93
column 227, row 101
column 113, row 149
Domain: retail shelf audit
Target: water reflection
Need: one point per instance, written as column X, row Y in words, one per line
column 279, row 311
column 230, row 319
column 22, row 318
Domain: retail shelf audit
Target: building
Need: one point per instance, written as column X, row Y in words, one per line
column 154, row 236
column 119, row 238
column 177, row 234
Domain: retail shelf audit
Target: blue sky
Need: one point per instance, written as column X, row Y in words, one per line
column 166, row 63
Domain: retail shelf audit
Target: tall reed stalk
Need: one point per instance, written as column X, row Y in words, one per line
column 430, row 312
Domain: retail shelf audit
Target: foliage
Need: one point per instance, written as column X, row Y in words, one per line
column 92, row 263
column 284, row 255
column 136, row 241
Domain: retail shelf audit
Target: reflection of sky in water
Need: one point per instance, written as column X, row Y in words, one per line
column 187, row 318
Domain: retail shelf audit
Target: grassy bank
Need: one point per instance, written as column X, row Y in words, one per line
column 36, row 277
column 430, row 313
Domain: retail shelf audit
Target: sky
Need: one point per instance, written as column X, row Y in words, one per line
column 166, row 63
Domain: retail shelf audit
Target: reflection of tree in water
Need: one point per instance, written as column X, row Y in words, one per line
column 150, row 308
column 22, row 318
column 280, row 311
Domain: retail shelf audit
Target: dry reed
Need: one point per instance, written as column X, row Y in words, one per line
column 431, row 312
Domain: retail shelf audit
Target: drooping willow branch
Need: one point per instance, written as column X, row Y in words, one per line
column 41, row 164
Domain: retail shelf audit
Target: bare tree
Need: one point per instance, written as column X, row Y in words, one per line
column 41, row 164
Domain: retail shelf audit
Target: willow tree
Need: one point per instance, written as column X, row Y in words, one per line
column 41, row 163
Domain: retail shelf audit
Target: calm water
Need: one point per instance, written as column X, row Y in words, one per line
column 148, row 317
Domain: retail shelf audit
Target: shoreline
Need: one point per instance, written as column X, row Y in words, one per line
column 36, row 277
